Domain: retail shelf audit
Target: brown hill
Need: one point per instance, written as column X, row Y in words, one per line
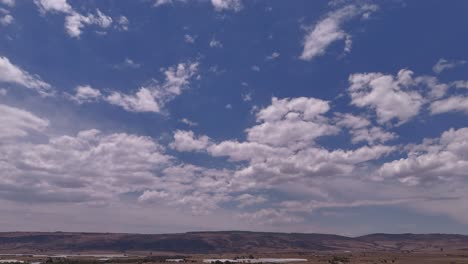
column 219, row 242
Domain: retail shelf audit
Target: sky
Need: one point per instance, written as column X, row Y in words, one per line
column 162, row 116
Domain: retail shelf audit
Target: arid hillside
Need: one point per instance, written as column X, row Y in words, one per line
column 221, row 242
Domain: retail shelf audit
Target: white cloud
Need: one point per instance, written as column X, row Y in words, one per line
column 60, row 6
column 143, row 101
column 361, row 129
column 460, row 84
column 390, row 97
column 255, row 68
column 186, row 141
column 92, row 167
column 127, row 63
column 88, row 167
column 436, row 89
column 271, row 216
column 74, row 21
column 281, row 147
column 247, row 97
column 372, row 135
column 219, row 5
column 6, row 20
column 188, row 122
column 154, row 97
column 189, row 39
column 329, row 30
column 152, row 196
column 10, row 73
column 296, row 121
column 351, row 121
column 222, row 5
column 159, row 3
column 214, row 43
column 273, row 56
column 443, row 64
column 9, row 3
column 86, row 93
column 200, row 189
column 123, row 23
column 450, row 104
column 439, row 159
column 16, row 122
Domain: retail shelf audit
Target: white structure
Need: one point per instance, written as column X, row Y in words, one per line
column 257, row 260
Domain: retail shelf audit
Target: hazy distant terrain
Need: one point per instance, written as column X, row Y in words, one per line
column 222, row 242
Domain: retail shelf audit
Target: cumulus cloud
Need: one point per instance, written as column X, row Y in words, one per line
column 439, row 159
column 460, row 84
column 16, row 122
column 282, row 146
column 123, row 23
column 450, row 104
column 361, row 129
column 75, row 21
column 329, row 30
column 149, row 98
column 87, row 167
column 399, row 97
column 186, row 141
column 443, row 64
column 286, row 121
column 94, row 167
column 224, row 5
column 143, row 101
column 10, row 73
column 153, row 98
column 199, row 189
column 86, row 93
column 59, row 6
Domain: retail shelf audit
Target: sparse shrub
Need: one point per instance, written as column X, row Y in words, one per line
column 339, row 260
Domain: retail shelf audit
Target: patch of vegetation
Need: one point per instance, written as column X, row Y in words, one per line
column 339, row 260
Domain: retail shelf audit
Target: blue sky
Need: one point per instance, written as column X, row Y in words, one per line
column 158, row 116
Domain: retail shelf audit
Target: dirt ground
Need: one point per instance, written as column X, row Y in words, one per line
column 436, row 257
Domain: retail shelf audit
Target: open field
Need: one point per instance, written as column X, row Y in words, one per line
column 367, row 257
